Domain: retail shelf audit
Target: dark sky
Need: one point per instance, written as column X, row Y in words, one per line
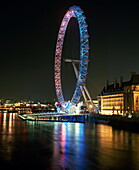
column 28, row 33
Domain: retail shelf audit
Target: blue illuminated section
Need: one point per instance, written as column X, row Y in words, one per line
column 84, row 53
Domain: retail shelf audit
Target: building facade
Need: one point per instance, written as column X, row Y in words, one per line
column 120, row 98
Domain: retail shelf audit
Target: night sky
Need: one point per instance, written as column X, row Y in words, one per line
column 28, row 34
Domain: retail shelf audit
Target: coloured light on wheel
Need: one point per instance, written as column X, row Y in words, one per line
column 77, row 13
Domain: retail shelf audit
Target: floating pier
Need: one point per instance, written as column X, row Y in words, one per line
column 55, row 117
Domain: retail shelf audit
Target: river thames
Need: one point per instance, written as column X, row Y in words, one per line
column 65, row 146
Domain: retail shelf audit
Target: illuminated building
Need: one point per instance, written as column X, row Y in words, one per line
column 120, row 98
column 6, row 102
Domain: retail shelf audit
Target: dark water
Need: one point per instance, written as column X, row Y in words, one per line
column 49, row 145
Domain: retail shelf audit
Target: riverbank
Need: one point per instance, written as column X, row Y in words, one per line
column 116, row 121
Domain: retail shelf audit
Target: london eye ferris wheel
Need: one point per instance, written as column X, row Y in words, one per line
column 76, row 12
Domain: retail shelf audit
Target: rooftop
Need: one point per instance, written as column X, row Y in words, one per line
column 117, row 87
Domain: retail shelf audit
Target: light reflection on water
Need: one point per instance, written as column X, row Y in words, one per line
column 56, row 145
